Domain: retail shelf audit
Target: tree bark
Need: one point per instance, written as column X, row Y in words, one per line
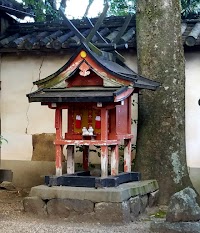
column 161, row 151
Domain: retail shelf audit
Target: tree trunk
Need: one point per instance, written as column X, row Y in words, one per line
column 161, row 135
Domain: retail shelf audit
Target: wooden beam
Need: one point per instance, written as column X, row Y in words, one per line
column 123, row 29
column 85, row 180
column 58, row 126
column 114, row 160
column 98, row 35
column 127, row 155
column 83, row 39
column 97, row 24
column 123, row 95
column 87, row 142
column 104, row 136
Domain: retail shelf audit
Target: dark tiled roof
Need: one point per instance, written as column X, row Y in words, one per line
column 70, row 95
column 14, row 8
column 54, row 37
column 114, row 68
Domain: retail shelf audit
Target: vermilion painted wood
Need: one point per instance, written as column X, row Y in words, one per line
column 127, row 155
column 87, row 142
column 104, row 161
column 121, row 118
column 123, row 95
column 58, row 126
column 129, row 107
column 114, row 160
column 115, row 121
column 100, row 69
column 80, row 81
column 104, row 136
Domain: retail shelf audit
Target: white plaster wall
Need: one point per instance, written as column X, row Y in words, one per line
column 192, row 108
column 19, row 118
column 131, row 61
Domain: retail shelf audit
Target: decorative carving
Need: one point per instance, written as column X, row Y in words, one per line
column 84, row 69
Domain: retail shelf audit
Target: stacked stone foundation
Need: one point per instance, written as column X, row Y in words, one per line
column 110, row 205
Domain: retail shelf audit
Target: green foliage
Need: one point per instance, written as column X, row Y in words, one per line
column 118, row 7
column 43, row 10
column 2, row 139
column 190, row 8
column 160, row 214
column 46, row 10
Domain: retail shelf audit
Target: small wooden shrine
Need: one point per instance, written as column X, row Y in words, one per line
column 95, row 87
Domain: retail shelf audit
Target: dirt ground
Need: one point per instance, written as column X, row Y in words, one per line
column 14, row 219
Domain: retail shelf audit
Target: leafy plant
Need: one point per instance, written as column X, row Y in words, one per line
column 2, row 139
column 118, row 7
column 160, row 214
column 43, row 10
column 190, row 8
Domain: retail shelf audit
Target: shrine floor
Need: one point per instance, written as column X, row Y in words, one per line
column 107, row 205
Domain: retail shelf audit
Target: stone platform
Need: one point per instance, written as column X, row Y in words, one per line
column 107, row 205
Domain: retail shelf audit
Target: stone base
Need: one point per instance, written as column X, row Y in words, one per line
column 6, row 175
column 161, row 226
column 106, row 205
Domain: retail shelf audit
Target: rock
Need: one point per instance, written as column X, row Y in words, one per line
column 58, row 207
column 113, row 212
column 34, row 205
column 153, row 198
column 135, row 207
column 82, row 206
column 65, row 207
column 183, row 207
column 161, row 226
column 144, row 203
column 8, row 186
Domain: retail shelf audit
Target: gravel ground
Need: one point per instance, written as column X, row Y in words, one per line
column 14, row 220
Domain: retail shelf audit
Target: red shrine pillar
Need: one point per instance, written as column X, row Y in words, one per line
column 127, row 142
column 127, row 155
column 104, row 137
column 114, row 160
column 58, row 126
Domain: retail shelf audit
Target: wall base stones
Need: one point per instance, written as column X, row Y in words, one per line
column 111, row 205
column 35, row 205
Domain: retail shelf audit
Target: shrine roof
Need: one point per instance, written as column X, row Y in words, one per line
column 58, row 37
column 14, row 8
column 113, row 67
column 92, row 94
